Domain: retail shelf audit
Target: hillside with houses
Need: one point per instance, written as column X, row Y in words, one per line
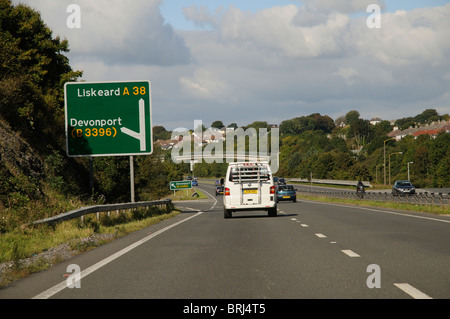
column 348, row 148
column 431, row 129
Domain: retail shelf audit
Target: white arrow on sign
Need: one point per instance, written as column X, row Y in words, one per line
column 141, row 135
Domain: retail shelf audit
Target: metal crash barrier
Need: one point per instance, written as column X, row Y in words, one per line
column 99, row 209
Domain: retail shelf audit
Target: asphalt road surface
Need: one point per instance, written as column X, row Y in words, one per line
column 310, row 250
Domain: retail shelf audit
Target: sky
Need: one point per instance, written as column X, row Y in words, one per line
column 264, row 60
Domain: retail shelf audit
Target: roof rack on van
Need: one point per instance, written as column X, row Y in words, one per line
column 249, row 172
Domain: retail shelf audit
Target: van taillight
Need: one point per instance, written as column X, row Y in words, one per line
column 272, row 189
column 227, row 191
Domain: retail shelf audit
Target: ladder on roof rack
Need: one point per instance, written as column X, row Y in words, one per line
column 252, row 172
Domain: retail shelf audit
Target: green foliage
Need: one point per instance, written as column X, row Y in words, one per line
column 351, row 117
column 430, row 157
column 112, row 178
column 153, row 174
column 302, row 124
column 160, row 133
column 210, row 169
column 217, row 124
column 427, row 116
column 327, row 156
column 33, row 69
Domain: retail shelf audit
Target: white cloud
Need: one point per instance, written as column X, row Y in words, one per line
column 331, row 64
column 204, row 84
column 347, row 73
column 341, row 6
column 201, row 16
column 270, row 65
column 409, row 38
column 116, row 31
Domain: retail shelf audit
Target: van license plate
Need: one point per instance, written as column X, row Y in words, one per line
column 250, row 191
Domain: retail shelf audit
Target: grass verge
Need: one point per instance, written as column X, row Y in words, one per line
column 432, row 209
column 30, row 249
column 187, row 194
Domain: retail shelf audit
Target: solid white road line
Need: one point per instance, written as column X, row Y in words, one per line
column 413, row 292
column 57, row 288
column 213, row 198
column 380, row 211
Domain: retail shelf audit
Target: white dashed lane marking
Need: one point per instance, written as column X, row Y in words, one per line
column 413, row 292
column 350, row 253
column 407, row 288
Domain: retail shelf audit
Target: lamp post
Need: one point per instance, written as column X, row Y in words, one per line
column 384, row 164
column 408, row 170
column 390, row 164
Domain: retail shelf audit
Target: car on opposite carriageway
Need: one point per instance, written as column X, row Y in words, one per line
column 403, row 188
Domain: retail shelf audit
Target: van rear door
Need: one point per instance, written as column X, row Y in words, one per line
column 251, row 193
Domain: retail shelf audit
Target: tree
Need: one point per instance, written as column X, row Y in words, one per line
column 33, row 70
column 160, row 133
column 361, row 130
column 382, row 128
column 351, row 117
column 258, row 125
column 302, row 124
column 338, row 144
column 217, row 124
column 324, row 123
column 429, row 115
column 294, row 162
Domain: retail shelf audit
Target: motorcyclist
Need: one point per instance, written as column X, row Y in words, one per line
column 360, row 188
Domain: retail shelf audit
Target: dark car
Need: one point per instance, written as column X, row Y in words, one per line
column 286, row 192
column 403, row 188
column 219, row 190
column 281, row 181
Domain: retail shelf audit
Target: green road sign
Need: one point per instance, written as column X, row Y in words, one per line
column 180, row 185
column 108, row 118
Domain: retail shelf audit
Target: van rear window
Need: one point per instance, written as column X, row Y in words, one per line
column 249, row 173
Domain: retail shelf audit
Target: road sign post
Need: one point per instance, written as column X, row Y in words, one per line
column 177, row 185
column 108, row 119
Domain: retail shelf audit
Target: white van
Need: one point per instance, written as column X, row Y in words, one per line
column 249, row 186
